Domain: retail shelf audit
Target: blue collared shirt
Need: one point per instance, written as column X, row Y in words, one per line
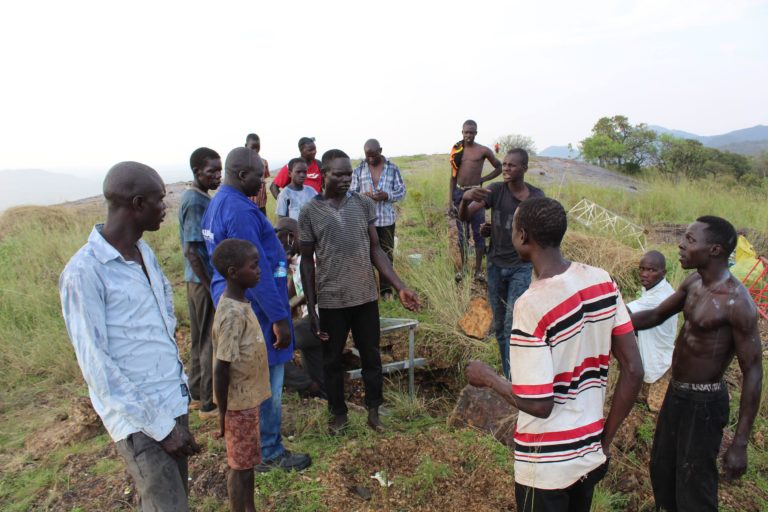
column 232, row 215
column 123, row 327
column 390, row 182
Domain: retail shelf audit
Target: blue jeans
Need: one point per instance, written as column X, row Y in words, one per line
column 270, row 416
column 505, row 285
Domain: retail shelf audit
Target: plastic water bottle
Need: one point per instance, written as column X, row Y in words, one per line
column 281, row 270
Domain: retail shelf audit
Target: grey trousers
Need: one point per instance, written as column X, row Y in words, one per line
column 201, row 313
column 160, row 478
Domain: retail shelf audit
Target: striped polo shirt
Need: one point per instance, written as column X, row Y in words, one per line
column 343, row 267
column 560, row 347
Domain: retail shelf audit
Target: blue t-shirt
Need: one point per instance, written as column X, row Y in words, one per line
column 232, row 215
column 290, row 201
column 193, row 206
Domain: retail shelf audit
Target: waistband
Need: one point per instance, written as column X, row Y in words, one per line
column 709, row 387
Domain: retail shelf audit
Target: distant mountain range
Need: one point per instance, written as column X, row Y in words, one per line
column 747, row 141
column 35, row 186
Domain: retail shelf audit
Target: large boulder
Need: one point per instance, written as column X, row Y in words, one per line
column 485, row 410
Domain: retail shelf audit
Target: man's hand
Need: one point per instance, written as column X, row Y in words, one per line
column 380, row 196
column 282, row 334
column 606, row 448
column 735, row 462
column 180, row 443
column 476, row 194
column 480, row 374
column 409, row 299
column 314, row 326
column 453, row 212
column 485, row 229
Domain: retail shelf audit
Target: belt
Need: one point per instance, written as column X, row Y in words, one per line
column 707, row 387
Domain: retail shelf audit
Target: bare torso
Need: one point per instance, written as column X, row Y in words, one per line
column 705, row 345
column 472, row 160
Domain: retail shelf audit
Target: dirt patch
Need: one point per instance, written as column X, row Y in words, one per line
column 433, row 471
column 79, row 424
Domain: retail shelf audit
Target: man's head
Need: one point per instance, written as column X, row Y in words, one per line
column 252, row 141
column 307, row 149
column 337, row 172
column 469, row 131
column 653, row 268
column 297, row 170
column 538, row 223
column 287, row 231
column 244, row 171
column 372, row 150
column 514, row 165
column 136, row 192
column 708, row 238
column 238, row 262
column 206, row 168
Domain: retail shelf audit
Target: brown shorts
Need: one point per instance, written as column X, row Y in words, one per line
column 241, row 432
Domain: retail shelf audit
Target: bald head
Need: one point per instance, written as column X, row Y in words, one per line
column 126, row 180
column 372, row 145
column 655, row 258
column 242, row 159
column 287, row 223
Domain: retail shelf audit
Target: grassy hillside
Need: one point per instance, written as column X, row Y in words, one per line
column 433, row 466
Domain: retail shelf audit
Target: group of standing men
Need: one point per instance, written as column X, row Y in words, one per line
column 557, row 334
column 118, row 308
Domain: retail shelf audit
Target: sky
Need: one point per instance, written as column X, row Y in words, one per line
column 89, row 84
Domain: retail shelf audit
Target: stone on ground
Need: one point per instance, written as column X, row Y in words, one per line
column 477, row 321
column 485, row 410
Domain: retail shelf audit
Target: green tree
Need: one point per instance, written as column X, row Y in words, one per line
column 513, row 140
column 684, row 157
column 615, row 142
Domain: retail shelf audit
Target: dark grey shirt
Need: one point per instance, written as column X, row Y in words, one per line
column 344, row 271
column 503, row 205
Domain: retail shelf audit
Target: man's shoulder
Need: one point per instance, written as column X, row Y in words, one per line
column 84, row 261
column 534, row 191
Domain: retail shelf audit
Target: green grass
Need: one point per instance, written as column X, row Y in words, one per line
column 39, row 364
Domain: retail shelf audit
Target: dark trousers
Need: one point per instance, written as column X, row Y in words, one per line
column 575, row 498
column 161, row 480
column 311, row 350
column 387, row 242
column 685, row 447
column 363, row 320
column 201, row 313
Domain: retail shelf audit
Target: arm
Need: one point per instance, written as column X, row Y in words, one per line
column 198, row 267
column 451, row 188
column 221, row 389
column 481, row 375
column 274, row 189
column 473, row 200
column 397, row 190
column 496, row 166
column 671, row 306
column 749, row 353
column 84, row 310
column 379, row 259
column 310, row 291
column 624, row 347
column 281, row 208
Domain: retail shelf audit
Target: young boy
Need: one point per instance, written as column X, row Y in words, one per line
column 293, row 197
column 241, row 371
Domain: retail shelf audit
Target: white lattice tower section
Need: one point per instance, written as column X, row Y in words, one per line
column 595, row 217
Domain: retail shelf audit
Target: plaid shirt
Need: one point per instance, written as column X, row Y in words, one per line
column 390, row 182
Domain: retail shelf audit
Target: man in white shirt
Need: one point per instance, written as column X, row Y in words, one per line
column 118, row 309
column 656, row 344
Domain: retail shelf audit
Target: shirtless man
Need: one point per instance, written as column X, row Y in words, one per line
column 467, row 159
column 720, row 321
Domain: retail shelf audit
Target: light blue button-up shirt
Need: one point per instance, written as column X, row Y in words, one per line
column 122, row 326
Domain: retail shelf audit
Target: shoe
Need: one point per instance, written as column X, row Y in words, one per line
column 286, row 461
column 207, row 415
column 338, row 424
column 373, row 420
column 480, row 277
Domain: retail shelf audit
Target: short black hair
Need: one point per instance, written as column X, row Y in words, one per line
column 331, row 155
column 199, row 156
column 293, row 162
column 306, row 140
column 520, row 151
column 251, row 136
column 231, row 253
column 721, row 232
column 469, row 122
column 544, row 219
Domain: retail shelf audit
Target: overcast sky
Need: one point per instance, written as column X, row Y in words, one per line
column 88, row 84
